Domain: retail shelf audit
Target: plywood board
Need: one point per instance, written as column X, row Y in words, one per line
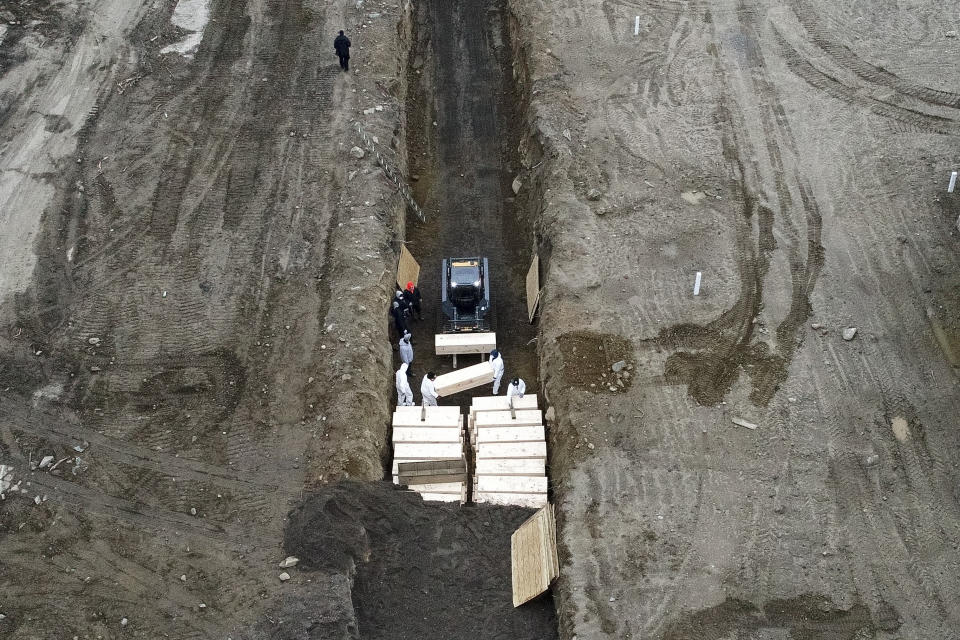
column 463, row 379
column 532, row 500
column 447, row 344
column 510, row 484
column 411, row 451
column 407, row 269
column 502, row 403
column 533, row 556
column 509, row 434
column 511, row 467
column 412, row 419
column 452, row 413
column 533, row 287
column 506, row 419
column 428, row 434
column 511, row 450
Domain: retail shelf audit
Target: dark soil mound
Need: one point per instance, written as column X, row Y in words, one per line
column 424, row 570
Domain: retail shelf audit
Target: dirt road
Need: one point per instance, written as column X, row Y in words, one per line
column 797, row 156
column 461, row 130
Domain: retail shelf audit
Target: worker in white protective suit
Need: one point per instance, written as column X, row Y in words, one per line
column 428, row 390
column 404, row 392
column 517, row 387
column 497, row 361
column 406, row 349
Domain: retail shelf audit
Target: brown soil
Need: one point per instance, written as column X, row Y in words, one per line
column 588, row 360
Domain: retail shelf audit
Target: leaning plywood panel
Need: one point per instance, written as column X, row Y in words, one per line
column 463, row 379
column 533, row 556
column 407, row 269
column 446, row 344
column 506, row 419
column 510, row 484
column 533, row 500
column 502, row 403
column 512, row 450
column 511, row 467
column 533, row 287
column 427, row 434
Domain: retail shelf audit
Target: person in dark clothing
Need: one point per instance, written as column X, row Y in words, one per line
column 342, row 46
column 412, row 295
column 399, row 319
column 404, row 304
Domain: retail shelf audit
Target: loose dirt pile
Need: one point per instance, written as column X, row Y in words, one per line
column 419, row 570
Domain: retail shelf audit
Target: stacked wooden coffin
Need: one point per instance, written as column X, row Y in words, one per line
column 428, row 452
column 511, row 451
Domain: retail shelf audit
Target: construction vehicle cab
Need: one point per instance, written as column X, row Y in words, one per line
column 465, row 295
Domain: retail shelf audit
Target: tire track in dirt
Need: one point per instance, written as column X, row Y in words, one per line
column 728, row 345
column 50, row 427
column 836, row 88
column 59, row 85
column 82, row 500
column 201, row 240
column 891, row 518
column 847, row 59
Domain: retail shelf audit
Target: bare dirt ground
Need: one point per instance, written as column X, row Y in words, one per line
column 194, row 269
column 797, row 154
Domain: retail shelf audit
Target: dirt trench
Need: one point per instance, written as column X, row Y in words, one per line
column 390, row 565
column 463, row 129
column 450, row 564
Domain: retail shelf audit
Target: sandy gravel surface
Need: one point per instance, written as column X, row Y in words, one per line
column 797, row 155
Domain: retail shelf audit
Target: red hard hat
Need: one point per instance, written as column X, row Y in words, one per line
column 410, row 286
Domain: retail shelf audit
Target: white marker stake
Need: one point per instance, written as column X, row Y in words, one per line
column 696, row 285
column 636, row 26
column 953, row 182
